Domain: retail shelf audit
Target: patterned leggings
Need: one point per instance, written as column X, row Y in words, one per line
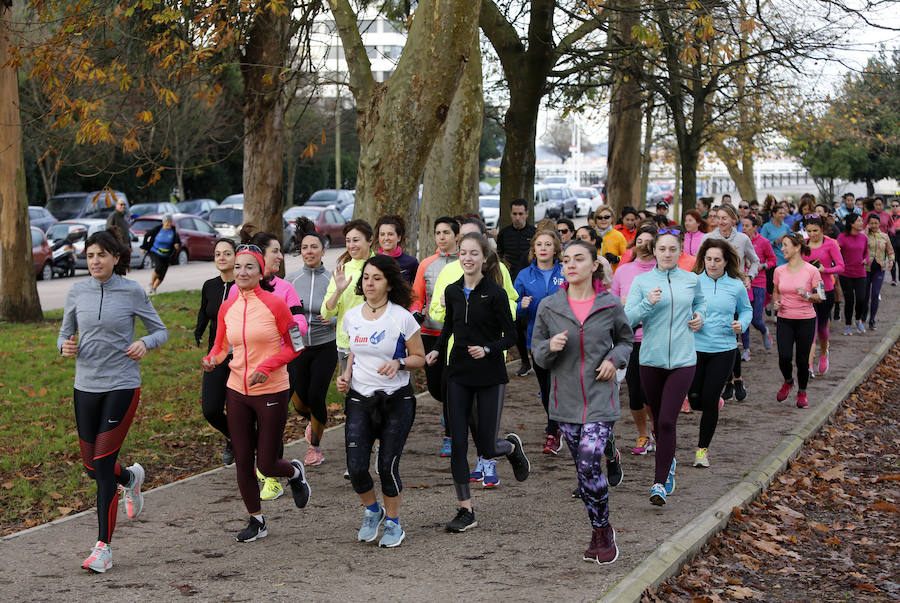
column 587, row 444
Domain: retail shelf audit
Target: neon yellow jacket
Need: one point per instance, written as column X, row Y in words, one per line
column 348, row 299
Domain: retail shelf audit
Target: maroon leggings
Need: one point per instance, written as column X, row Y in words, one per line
column 268, row 413
column 666, row 390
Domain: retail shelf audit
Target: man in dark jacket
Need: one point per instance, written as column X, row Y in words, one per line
column 513, row 243
column 119, row 219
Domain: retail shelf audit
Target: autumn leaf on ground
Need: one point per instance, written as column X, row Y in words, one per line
column 884, row 506
column 835, row 473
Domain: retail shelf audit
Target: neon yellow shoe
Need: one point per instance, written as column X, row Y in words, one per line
column 701, row 457
column 271, row 487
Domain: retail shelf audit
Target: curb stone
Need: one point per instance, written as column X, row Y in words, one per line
column 681, row 547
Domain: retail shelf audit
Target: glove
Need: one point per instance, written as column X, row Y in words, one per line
column 612, row 258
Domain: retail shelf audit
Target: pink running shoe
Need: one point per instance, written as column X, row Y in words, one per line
column 801, row 400
column 314, row 456
column 782, row 394
column 823, row 363
column 721, row 403
column 686, row 407
column 643, row 446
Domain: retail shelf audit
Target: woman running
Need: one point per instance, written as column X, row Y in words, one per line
column 774, row 230
column 694, row 229
column 583, row 372
column 767, row 262
column 798, row 286
column 726, row 296
column 627, row 225
column 670, row 304
column 621, row 285
column 825, row 255
column 613, row 242
column 391, row 231
column 213, row 294
column 161, row 244
column 311, row 372
column 479, row 320
column 101, row 310
column 855, row 250
column 259, row 326
column 881, row 259
column 385, row 344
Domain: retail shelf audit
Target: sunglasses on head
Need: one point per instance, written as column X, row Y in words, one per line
column 671, row 231
column 252, row 248
column 808, row 216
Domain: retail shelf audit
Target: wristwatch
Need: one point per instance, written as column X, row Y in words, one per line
column 402, row 363
column 486, row 349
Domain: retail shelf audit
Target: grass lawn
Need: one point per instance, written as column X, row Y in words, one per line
column 41, row 475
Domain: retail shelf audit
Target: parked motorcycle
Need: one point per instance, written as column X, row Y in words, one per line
column 62, row 262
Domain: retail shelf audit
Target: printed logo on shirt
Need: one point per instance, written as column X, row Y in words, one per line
column 558, row 280
column 374, row 338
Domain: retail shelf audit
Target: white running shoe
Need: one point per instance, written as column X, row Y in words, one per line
column 132, row 495
column 100, row 558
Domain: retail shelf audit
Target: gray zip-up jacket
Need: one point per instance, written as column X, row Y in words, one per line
column 103, row 316
column 310, row 285
column 575, row 394
column 744, row 248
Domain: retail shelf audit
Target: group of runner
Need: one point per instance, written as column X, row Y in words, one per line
column 638, row 299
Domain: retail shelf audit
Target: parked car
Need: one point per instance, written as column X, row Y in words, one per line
column 41, row 254
column 198, row 237
column 40, row 217
column 197, row 207
column 88, row 226
column 659, row 191
column 338, row 197
column 557, row 180
column 228, row 220
column 554, row 201
column 143, row 209
column 347, row 212
column 236, row 200
column 67, row 206
column 328, row 220
column 489, row 208
column 485, row 188
column 588, row 199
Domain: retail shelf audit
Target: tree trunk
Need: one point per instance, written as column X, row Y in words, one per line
column 398, row 120
column 517, row 164
column 648, row 146
column 19, row 301
column 690, row 158
column 451, row 180
column 262, row 68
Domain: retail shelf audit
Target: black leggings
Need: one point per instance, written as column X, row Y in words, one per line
column 103, row 420
column 543, row 379
column 709, row 379
column 384, row 417
column 310, row 375
column 483, row 405
column 854, row 296
column 791, row 332
column 823, row 316
column 434, row 377
column 637, row 400
column 212, row 400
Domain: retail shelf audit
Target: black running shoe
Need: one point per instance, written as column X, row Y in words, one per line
column 255, row 529
column 464, row 520
column 728, row 393
column 520, row 463
column 614, row 473
column 227, row 453
column 525, row 369
column 299, row 488
column 739, row 391
column 576, row 493
column 837, row 311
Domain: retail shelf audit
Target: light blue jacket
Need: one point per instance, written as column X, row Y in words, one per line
column 668, row 341
column 725, row 296
column 530, row 282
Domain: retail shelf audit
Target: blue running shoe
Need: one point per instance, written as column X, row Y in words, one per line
column 369, row 530
column 490, row 474
column 393, row 535
column 658, row 495
column 446, row 448
column 670, row 481
column 478, row 474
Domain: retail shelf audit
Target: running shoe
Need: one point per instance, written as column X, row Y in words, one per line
column 551, row 444
column 271, row 488
column 670, row 481
column 576, row 493
column 227, row 453
column 603, row 549
column 614, row 472
column 837, row 311
column 524, row 370
column 893, row 283
column 446, row 447
column 872, row 326
column 823, row 363
column 520, row 464
column 299, row 487
column 721, row 403
column 701, row 457
column 346, row 474
column 860, row 326
column 371, row 521
column 782, row 394
column 314, row 456
column 100, row 558
column 464, row 520
column 767, row 341
column 131, row 494
column 490, row 474
column 478, row 474
column 745, row 356
column 801, row 400
column 740, row 392
column 812, row 373
column 686, row 407
column 848, row 330
column 393, row 535
column 728, row 392
column 255, row 529
column 643, row 446
column 658, row 495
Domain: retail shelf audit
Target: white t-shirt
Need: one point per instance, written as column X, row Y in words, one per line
column 374, row 342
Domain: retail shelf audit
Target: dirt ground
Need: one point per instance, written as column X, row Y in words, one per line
column 528, row 544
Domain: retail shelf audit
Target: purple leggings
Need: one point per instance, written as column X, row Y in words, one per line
column 587, row 443
column 666, row 390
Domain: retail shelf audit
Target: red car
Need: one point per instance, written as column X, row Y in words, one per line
column 41, row 254
column 198, row 237
column 328, row 220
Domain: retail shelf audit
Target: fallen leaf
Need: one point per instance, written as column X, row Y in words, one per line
column 8, row 485
column 835, row 473
column 819, row 527
column 55, row 495
column 742, row 592
column 64, row 510
column 884, row 478
column 884, row 506
column 868, row 587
